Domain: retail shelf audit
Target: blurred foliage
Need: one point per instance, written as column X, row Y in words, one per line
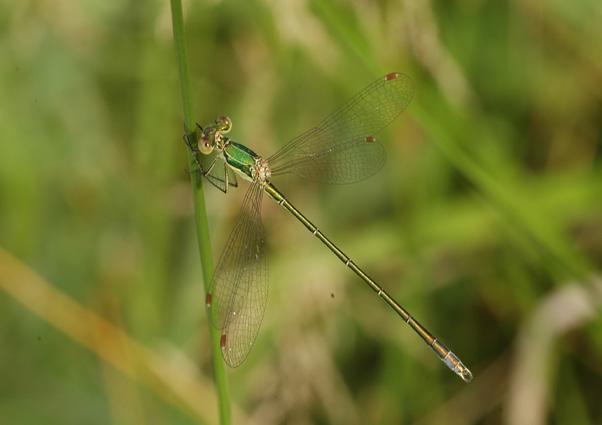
column 486, row 221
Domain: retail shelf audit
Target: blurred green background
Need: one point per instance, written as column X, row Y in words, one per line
column 486, row 222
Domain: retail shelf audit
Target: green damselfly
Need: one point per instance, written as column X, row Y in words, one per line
column 341, row 149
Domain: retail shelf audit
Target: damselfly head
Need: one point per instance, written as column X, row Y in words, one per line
column 211, row 136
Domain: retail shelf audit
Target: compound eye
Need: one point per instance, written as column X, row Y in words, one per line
column 205, row 145
column 225, row 124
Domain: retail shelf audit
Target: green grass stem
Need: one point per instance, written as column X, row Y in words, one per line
column 200, row 210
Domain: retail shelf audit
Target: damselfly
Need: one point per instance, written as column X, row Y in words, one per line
column 341, row 149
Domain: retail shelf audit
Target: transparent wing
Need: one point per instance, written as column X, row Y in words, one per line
column 218, row 179
column 238, row 293
column 217, row 175
column 343, row 148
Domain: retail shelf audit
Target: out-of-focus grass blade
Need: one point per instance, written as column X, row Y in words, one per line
column 110, row 343
column 560, row 257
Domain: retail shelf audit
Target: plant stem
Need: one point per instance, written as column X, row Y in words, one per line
column 200, row 209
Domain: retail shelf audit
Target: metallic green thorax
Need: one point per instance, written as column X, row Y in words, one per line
column 240, row 158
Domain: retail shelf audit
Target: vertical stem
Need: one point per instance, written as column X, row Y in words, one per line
column 202, row 228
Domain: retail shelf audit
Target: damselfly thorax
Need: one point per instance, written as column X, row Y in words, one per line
column 239, row 158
